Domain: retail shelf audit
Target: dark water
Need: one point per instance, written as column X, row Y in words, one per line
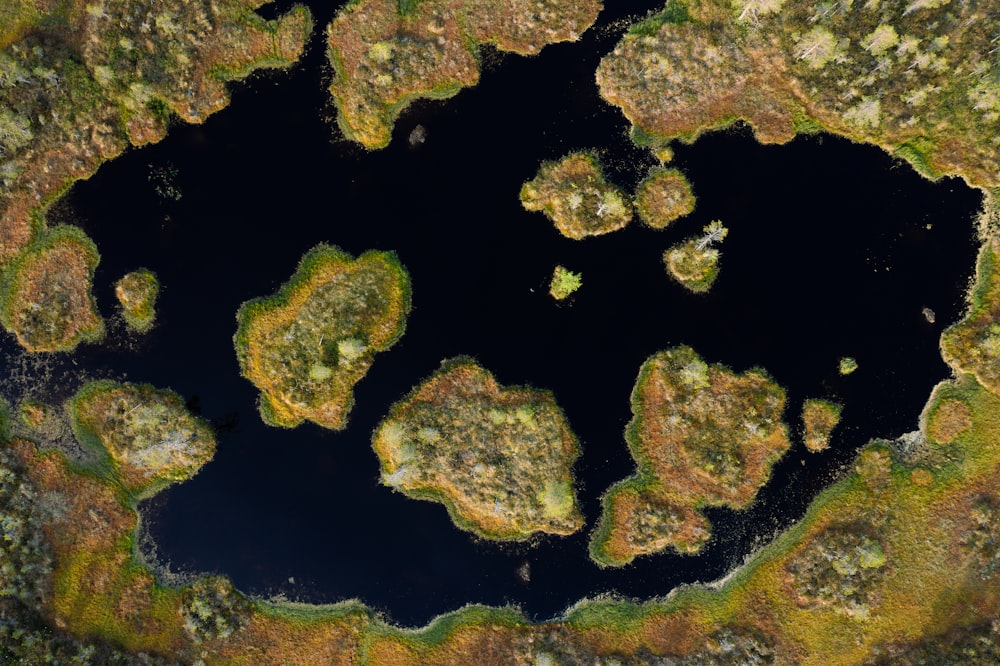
column 833, row 250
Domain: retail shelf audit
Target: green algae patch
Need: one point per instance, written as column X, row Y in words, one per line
column 819, row 418
column 136, row 293
column 662, row 197
column 915, row 78
column 387, row 54
column 701, row 435
column 573, row 193
column 145, row 437
column 306, row 346
column 847, row 365
column 564, row 283
column 500, row 459
column 694, row 263
column 46, row 296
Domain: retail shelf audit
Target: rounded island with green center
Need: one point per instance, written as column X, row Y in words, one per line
column 306, row 346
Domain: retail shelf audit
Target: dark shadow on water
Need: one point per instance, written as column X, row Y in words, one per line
column 833, row 250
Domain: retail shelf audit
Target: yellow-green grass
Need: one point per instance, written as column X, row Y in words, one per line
column 46, row 296
column 564, row 283
column 499, row 458
column 136, row 293
column 573, row 193
column 386, row 53
column 306, row 346
column 701, row 435
column 847, row 365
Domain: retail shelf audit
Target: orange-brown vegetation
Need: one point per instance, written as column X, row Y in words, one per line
column 45, row 298
column 306, row 346
column 500, row 459
column 819, row 418
column 912, row 76
column 575, row 196
column 662, row 197
column 949, row 420
column 387, row 53
column 701, row 435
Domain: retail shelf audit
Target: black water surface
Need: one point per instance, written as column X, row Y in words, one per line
column 834, row 249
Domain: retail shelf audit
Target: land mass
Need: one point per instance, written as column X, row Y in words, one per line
column 701, row 435
column 388, row 53
column 306, row 346
column 500, row 459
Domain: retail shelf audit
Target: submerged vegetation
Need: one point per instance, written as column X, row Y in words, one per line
column 500, row 459
column 136, row 293
column 564, row 283
column 694, row 263
column 45, row 295
column 819, row 418
column 388, row 53
column 575, row 196
column 306, row 346
column 701, row 435
column 916, row 77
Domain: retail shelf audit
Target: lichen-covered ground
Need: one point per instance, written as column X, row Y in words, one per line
column 499, row 458
column 701, row 435
column 388, row 53
column 306, row 346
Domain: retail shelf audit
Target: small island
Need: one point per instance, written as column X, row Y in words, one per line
column 575, row 196
column 500, row 459
column 306, row 346
column 46, row 295
column 564, row 283
column 662, row 197
column 701, row 435
column 694, row 263
column 819, row 418
column 387, row 53
column 136, row 293
column 847, row 365
column 144, row 438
